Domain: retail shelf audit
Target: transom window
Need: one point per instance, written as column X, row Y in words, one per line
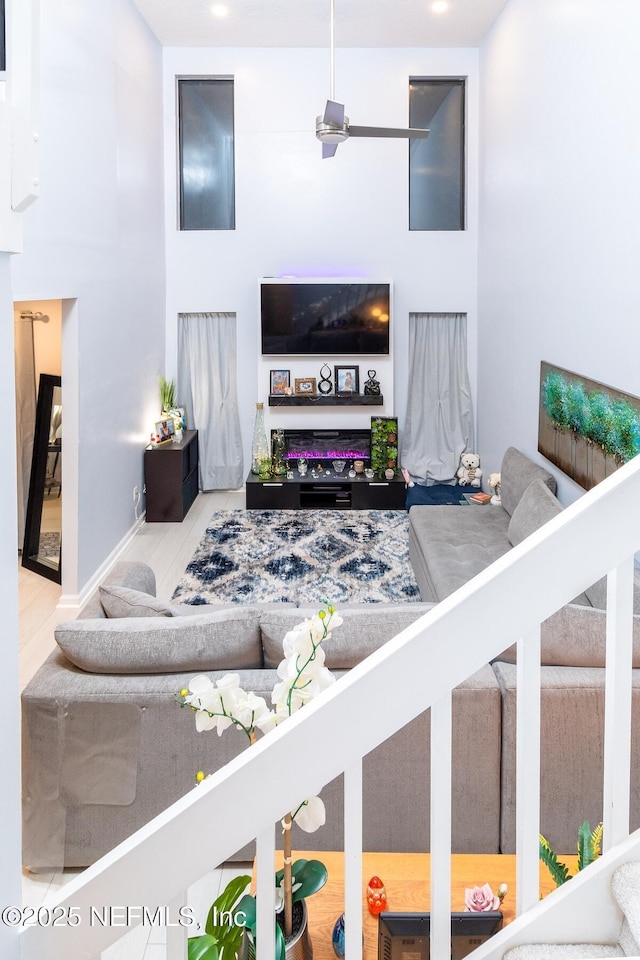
column 206, row 153
column 437, row 164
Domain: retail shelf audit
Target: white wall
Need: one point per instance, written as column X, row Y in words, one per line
column 560, row 207
column 298, row 214
column 10, row 892
column 95, row 239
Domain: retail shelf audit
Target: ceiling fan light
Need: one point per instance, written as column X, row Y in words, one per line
column 331, row 132
column 439, row 6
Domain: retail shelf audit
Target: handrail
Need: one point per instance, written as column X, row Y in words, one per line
column 205, row 827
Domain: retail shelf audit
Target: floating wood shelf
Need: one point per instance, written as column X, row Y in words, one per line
column 329, row 400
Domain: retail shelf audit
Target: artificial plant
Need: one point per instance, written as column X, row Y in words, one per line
column 167, row 393
column 589, row 845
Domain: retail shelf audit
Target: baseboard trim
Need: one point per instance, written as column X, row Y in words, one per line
column 70, row 601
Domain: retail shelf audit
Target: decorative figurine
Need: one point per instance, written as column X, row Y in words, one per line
column 325, row 385
column 372, row 386
column 376, row 896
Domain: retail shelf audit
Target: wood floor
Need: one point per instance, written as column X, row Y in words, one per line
column 167, row 548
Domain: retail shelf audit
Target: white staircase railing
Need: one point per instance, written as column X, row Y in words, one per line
column 416, row 670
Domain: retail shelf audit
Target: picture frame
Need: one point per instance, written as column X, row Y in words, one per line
column 179, row 414
column 347, row 380
column 305, row 386
column 279, row 382
column 166, row 430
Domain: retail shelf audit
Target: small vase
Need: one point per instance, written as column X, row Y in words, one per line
column 260, row 454
column 337, row 937
column 299, row 947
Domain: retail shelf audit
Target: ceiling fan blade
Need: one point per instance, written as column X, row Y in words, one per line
column 334, row 112
column 411, row 133
column 329, row 150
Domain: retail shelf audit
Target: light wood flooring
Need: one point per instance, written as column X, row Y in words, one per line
column 167, row 548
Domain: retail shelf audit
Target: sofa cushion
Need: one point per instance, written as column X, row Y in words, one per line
column 517, row 472
column 125, row 573
column 575, row 636
column 362, row 631
column 124, row 602
column 226, row 639
column 450, row 545
column 537, row 505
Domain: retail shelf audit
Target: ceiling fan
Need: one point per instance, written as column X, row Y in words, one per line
column 333, row 127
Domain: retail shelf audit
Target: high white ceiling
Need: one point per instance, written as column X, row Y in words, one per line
column 305, row 23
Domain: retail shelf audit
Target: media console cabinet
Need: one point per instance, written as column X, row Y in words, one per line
column 327, row 492
column 171, row 479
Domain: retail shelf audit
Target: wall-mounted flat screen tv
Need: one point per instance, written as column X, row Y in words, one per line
column 325, row 318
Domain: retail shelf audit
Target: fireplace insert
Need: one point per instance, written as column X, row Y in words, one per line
column 327, row 444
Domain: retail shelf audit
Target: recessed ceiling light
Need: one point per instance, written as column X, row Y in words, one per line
column 219, row 10
column 440, row 6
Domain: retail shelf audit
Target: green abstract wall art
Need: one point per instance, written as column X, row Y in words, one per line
column 586, row 428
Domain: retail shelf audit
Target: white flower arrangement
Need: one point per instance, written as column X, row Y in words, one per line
column 302, row 675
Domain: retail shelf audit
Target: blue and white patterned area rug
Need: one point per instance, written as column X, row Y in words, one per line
column 303, row 557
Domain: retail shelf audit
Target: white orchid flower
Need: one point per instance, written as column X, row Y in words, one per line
column 280, row 893
column 248, row 707
column 303, row 663
column 310, row 815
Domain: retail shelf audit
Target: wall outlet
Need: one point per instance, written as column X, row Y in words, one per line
column 136, row 494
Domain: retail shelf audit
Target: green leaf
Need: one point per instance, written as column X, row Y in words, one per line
column 558, row 871
column 312, row 877
column 225, row 903
column 588, row 844
column 248, row 907
column 296, row 867
column 202, row 948
column 280, row 945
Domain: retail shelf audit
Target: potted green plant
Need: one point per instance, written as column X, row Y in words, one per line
column 223, row 931
column 223, row 704
column 167, row 394
column 589, row 844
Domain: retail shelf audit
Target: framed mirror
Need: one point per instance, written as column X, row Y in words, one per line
column 42, row 548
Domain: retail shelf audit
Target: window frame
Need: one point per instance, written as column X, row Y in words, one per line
column 460, row 81
column 201, row 78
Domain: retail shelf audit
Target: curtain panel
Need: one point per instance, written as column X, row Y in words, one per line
column 439, row 419
column 207, row 385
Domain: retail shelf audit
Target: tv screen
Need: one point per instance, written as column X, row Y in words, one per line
column 325, row 318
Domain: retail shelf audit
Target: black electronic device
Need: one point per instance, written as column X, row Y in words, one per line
column 325, row 318
column 406, row 936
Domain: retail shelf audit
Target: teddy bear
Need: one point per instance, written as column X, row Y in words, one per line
column 469, row 471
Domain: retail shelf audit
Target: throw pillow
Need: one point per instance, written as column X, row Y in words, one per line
column 361, row 632
column 517, row 472
column 125, row 602
column 537, row 505
column 221, row 640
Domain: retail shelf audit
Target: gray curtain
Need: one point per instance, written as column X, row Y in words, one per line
column 207, row 386
column 439, row 420
column 25, row 413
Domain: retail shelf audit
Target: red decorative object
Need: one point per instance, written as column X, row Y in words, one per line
column 376, row 896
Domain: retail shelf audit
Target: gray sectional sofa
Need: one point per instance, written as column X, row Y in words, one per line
column 448, row 546
column 106, row 747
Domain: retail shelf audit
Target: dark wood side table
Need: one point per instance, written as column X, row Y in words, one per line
column 171, row 479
